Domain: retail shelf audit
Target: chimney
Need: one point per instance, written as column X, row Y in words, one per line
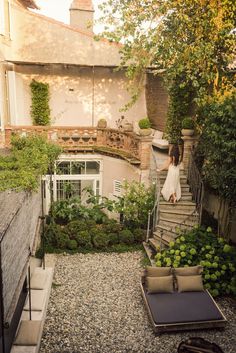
column 81, row 14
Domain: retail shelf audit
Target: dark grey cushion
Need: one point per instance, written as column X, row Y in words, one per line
column 167, row 308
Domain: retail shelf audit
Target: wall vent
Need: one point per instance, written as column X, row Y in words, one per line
column 117, row 187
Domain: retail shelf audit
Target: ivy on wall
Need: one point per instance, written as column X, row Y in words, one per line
column 30, row 157
column 40, row 110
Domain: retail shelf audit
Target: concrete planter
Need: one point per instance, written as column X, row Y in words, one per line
column 102, row 123
column 145, row 132
column 187, row 132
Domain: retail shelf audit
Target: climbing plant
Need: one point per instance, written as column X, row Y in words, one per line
column 40, row 110
column 30, row 157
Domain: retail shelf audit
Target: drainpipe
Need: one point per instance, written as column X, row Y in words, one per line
column 93, row 94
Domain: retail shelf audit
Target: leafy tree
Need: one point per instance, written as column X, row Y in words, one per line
column 30, row 158
column 218, row 142
column 135, row 204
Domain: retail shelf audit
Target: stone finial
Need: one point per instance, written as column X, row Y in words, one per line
column 81, row 14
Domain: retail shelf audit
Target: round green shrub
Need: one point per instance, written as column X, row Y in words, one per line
column 113, row 238
column 83, row 240
column 188, row 123
column 201, row 246
column 144, row 123
column 74, row 227
column 139, row 235
column 55, row 236
column 72, row 244
column 101, row 240
column 126, row 237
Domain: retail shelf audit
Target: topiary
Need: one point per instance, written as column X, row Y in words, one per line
column 74, row 227
column 216, row 256
column 83, row 239
column 62, row 240
column 72, row 244
column 188, row 123
column 113, row 238
column 144, row 123
column 126, row 237
column 101, row 240
column 139, row 235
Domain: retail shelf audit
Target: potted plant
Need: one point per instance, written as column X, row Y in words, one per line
column 187, row 126
column 102, row 123
column 145, row 127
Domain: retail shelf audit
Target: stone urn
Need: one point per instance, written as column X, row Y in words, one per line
column 187, row 132
column 102, row 123
column 128, row 127
column 145, row 132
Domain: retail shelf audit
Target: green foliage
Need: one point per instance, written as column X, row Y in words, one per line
column 201, row 246
column 72, row 244
column 40, row 111
column 144, row 123
column 135, row 204
column 126, row 237
column 101, row 240
column 187, row 123
column 29, row 159
column 139, row 235
column 218, row 145
column 84, row 240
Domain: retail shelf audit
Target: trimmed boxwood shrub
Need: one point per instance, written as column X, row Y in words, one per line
column 101, row 240
column 74, row 227
column 113, row 238
column 83, row 239
column 201, row 246
column 72, row 244
column 55, row 236
column 139, row 235
column 126, row 237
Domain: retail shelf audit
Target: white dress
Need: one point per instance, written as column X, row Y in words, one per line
column 172, row 183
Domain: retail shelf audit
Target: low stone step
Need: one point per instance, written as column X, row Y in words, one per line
column 176, row 214
column 166, row 237
column 167, row 232
column 173, row 224
column 150, row 252
column 182, row 205
column 156, row 244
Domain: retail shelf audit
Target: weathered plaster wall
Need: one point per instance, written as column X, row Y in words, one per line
column 55, row 42
column 117, row 169
column 80, row 99
column 19, row 217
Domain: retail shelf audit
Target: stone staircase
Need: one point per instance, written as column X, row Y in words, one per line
column 172, row 217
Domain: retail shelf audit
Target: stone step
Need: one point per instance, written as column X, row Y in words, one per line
column 179, row 216
column 184, row 197
column 156, row 244
column 150, row 252
column 166, row 231
column 166, row 237
column 173, row 224
column 182, row 205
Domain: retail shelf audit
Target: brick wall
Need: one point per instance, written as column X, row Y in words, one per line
column 19, row 217
column 157, row 101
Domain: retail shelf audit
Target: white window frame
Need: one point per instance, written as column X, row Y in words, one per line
column 2, row 18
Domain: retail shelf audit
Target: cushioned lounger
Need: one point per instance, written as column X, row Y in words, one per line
column 182, row 311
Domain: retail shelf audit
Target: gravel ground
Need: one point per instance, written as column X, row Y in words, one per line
column 96, row 307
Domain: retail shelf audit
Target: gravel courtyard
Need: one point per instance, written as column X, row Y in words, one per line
column 96, row 307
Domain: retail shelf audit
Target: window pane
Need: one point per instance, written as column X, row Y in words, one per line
column 68, row 188
column 92, row 167
column 63, row 168
column 77, row 167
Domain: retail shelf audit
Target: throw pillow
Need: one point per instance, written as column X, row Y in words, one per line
column 160, row 284
column 189, row 283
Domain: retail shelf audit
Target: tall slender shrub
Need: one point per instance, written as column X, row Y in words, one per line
column 40, row 110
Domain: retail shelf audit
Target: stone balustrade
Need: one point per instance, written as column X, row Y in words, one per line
column 131, row 146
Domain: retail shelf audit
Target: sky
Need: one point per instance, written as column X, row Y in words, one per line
column 59, row 9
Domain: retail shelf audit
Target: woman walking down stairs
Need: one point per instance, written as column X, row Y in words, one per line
column 174, row 216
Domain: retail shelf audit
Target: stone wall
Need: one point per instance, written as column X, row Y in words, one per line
column 157, row 101
column 19, row 218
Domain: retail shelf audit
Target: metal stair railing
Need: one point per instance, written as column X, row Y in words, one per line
column 153, row 215
column 196, row 185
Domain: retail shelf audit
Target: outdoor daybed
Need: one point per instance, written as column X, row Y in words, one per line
column 179, row 308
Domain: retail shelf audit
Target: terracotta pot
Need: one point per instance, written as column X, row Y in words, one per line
column 187, row 132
